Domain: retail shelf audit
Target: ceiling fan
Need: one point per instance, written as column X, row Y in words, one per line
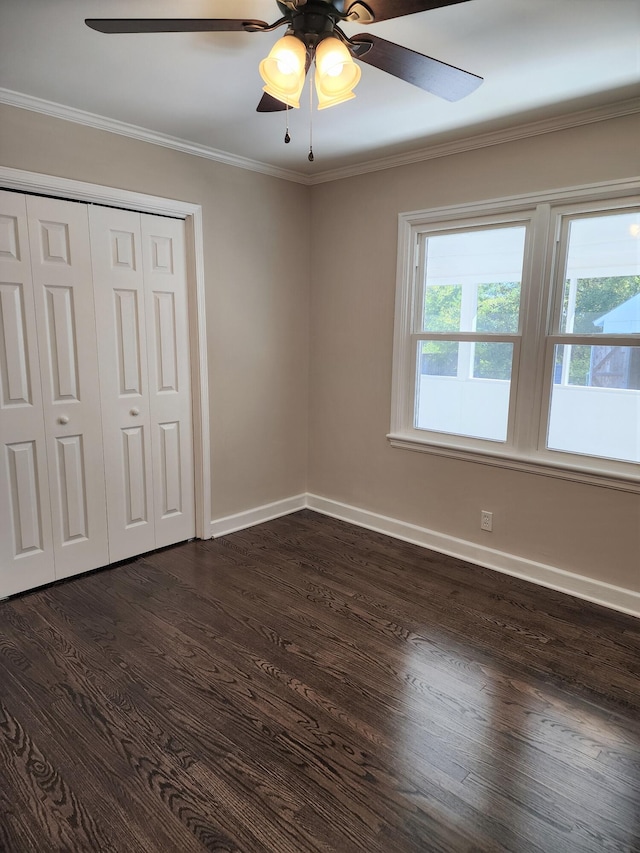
column 313, row 32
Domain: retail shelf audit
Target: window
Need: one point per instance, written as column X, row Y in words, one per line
column 517, row 335
column 469, row 296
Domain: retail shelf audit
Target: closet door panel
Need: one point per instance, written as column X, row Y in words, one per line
column 169, row 381
column 121, row 334
column 65, row 318
column 26, row 546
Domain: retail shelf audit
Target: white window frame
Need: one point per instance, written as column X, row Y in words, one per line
column 541, row 294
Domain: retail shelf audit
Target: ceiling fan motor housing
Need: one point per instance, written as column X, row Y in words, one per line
column 313, row 21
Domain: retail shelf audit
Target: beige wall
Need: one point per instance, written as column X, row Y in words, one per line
column 256, row 243
column 260, row 324
column 589, row 530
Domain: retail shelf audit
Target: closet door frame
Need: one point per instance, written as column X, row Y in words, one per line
column 34, row 182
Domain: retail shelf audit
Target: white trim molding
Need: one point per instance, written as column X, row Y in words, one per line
column 588, row 589
column 515, row 463
column 133, row 131
column 444, row 149
column 257, row 515
column 34, row 182
column 598, row 592
column 484, row 140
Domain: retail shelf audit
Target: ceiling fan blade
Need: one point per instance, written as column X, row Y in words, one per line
column 383, row 10
column 269, row 104
column 430, row 74
column 174, row 25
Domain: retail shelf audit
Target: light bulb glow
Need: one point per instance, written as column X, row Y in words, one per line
column 333, row 63
column 337, row 74
column 287, row 64
column 283, row 71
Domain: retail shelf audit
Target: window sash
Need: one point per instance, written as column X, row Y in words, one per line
column 564, row 219
column 469, row 288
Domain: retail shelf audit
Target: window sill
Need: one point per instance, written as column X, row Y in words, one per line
column 604, row 478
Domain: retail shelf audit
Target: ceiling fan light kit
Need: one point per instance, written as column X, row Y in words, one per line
column 284, row 71
column 313, row 33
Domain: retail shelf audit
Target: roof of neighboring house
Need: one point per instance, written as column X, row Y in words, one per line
column 623, row 318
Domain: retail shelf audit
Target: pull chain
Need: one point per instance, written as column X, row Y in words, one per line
column 311, row 158
column 287, row 138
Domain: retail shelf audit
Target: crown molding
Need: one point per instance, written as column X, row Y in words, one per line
column 484, row 140
column 50, row 108
column 458, row 146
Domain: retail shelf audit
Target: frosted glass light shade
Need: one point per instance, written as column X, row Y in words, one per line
column 325, row 100
column 337, row 74
column 283, row 70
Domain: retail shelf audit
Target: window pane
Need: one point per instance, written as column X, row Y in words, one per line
column 498, row 307
column 472, row 281
column 595, row 402
column 442, row 303
column 597, row 366
column 492, row 361
column 602, row 282
column 453, row 399
column 439, row 358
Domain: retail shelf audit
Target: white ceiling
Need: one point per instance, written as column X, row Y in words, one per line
column 539, row 59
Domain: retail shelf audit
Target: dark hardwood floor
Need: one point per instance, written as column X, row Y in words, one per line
column 307, row 686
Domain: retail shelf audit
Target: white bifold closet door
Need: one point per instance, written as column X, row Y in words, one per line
column 139, row 272
column 53, row 520
column 26, row 543
column 95, row 406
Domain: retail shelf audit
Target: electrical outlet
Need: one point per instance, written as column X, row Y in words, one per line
column 486, row 520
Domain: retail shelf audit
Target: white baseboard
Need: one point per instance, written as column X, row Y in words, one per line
column 250, row 517
column 598, row 592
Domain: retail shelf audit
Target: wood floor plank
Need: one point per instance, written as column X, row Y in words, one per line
column 91, row 687
column 278, row 713
column 306, row 686
column 154, row 648
column 142, row 777
column 474, row 615
column 62, row 818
